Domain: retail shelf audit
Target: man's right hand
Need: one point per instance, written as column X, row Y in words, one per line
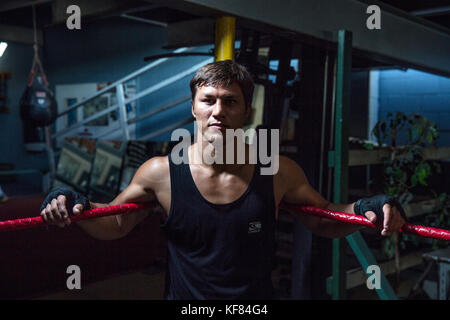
column 60, row 204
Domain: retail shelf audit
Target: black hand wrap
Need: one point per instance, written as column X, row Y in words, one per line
column 376, row 204
column 72, row 198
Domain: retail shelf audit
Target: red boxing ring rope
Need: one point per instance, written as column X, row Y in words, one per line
column 428, row 232
column 26, row 223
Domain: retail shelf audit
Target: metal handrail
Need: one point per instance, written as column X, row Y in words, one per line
column 168, row 128
column 167, row 81
column 122, row 101
column 120, row 81
column 129, row 100
column 159, row 109
column 121, row 105
column 84, row 121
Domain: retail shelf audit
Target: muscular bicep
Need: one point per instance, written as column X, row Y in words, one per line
column 297, row 190
column 304, row 194
column 140, row 189
column 135, row 192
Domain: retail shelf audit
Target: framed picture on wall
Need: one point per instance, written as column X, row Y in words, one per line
column 104, row 125
column 72, row 115
column 68, row 167
column 95, row 106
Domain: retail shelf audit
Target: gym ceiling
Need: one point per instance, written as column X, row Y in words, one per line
column 415, row 33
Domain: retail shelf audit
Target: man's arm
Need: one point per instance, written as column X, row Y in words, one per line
column 117, row 226
column 140, row 189
column 298, row 191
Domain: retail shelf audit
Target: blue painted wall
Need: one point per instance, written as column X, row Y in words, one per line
column 17, row 60
column 103, row 50
column 107, row 50
column 418, row 92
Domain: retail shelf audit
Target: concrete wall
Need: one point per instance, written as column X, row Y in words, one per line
column 418, row 92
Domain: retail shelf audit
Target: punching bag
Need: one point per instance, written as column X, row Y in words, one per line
column 38, row 105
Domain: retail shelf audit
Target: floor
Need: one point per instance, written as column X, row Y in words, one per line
column 19, row 189
column 144, row 286
column 133, row 286
column 408, row 279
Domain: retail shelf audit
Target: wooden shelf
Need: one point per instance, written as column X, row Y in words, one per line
column 367, row 157
column 421, row 207
column 412, row 209
column 358, row 276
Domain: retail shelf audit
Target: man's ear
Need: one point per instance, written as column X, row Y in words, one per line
column 192, row 109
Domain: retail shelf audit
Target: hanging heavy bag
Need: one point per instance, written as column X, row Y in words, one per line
column 38, row 105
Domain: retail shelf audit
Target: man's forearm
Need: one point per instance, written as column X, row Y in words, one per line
column 336, row 229
column 104, row 228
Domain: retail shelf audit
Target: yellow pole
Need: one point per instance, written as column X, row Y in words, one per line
column 225, row 35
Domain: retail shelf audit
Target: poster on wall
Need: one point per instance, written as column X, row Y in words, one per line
column 103, row 125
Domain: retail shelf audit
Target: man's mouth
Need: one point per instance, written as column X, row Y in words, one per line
column 217, row 125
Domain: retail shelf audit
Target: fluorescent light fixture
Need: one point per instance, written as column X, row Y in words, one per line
column 3, row 46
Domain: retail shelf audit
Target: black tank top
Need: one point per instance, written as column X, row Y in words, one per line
column 219, row 251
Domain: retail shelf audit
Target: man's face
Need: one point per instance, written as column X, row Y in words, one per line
column 219, row 108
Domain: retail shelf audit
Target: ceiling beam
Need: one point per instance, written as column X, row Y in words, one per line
column 91, row 8
column 402, row 38
column 432, row 12
column 19, row 34
column 7, row 5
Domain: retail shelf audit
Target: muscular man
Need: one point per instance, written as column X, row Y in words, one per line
column 220, row 218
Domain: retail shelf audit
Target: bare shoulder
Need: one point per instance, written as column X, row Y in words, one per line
column 289, row 168
column 290, row 174
column 153, row 172
column 157, row 164
column 286, row 162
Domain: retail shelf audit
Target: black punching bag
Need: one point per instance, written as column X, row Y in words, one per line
column 38, row 105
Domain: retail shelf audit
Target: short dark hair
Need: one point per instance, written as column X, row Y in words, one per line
column 224, row 73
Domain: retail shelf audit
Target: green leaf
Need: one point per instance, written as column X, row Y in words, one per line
column 368, row 146
column 442, row 197
column 389, row 170
column 414, row 180
column 437, row 166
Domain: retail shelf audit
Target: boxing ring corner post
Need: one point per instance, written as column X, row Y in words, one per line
column 225, row 36
column 337, row 283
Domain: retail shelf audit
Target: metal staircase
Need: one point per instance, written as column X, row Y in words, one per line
column 122, row 128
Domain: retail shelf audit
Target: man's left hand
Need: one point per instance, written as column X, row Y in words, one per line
column 382, row 210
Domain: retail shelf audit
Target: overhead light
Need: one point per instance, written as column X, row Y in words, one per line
column 3, row 46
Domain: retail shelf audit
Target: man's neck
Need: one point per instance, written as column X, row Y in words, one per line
column 199, row 151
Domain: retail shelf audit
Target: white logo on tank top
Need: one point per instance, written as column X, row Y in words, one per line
column 254, row 227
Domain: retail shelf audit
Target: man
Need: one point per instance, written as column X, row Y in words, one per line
column 220, row 217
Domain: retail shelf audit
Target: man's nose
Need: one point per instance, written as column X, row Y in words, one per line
column 218, row 109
